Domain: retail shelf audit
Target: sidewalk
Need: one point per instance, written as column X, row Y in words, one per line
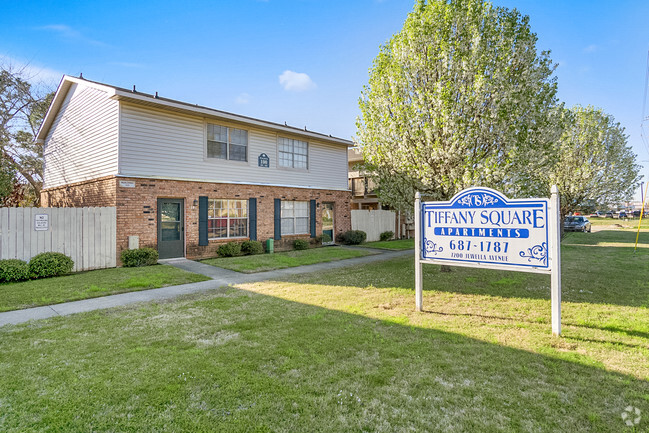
column 220, row 278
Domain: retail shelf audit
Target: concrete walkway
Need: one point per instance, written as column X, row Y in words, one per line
column 220, row 277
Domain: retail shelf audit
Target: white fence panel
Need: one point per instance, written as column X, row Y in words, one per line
column 87, row 235
column 373, row 222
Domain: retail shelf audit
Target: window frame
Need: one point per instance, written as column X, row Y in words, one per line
column 211, row 207
column 294, row 218
column 292, row 167
column 228, row 143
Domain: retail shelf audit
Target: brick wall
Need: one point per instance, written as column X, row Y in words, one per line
column 137, row 210
column 137, row 207
column 93, row 193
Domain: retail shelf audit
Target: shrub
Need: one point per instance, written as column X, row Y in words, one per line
column 386, row 236
column 13, row 270
column 139, row 257
column 300, row 244
column 230, row 249
column 352, row 237
column 326, row 238
column 252, row 247
column 46, row 265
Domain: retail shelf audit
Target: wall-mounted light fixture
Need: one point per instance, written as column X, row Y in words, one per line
column 195, row 203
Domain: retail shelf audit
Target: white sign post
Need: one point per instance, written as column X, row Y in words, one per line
column 480, row 227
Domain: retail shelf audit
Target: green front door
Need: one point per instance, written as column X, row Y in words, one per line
column 327, row 223
column 171, row 228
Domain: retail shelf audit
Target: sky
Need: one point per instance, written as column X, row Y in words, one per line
column 305, row 62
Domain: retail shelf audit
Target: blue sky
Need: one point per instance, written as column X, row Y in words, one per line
column 305, row 62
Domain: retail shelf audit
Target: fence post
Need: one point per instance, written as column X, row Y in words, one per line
column 419, row 297
column 555, row 239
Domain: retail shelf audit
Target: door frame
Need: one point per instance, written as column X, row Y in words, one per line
column 333, row 221
column 182, row 223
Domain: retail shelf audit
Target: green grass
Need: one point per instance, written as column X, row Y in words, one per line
column 344, row 350
column 289, row 259
column 397, row 244
column 90, row 284
column 614, row 223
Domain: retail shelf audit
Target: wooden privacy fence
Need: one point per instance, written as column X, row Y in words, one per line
column 373, row 222
column 87, row 235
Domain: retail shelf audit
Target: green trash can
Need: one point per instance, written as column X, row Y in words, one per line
column 270, row 246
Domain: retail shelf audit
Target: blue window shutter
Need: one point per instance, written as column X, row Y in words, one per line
column 252, row 218
column 278, row 219
column 202, row 221
column 312, row 218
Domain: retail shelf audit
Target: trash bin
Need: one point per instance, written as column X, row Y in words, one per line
column 270, row 246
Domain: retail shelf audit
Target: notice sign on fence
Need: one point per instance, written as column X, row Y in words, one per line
column 41, row 222
column 480, row 226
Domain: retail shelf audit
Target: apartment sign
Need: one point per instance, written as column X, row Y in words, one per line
column 482, row 227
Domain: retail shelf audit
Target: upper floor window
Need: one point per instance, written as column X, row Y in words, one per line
column 227, row 219
column 227, row 143
column 293, row 153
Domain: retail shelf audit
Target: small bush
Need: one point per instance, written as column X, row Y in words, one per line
column 300, row 244
column 230, row 249
column 326, row 238
column 46, row 265
column 352, row 237
column 252, row 247
column 386, row 236
column 13, row 270
column 139, row 257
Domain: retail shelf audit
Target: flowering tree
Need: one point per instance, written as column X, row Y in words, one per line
column 460, row 97
column 594, row 164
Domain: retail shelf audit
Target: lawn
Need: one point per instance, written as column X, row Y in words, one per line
column 396, row 244
column 614, row 223
column 288, row 259
column 90, row 284
column 344, row 350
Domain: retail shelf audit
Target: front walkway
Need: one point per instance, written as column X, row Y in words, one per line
column 220, row 278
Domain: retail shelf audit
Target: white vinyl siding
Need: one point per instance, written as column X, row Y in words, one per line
column 82, row 141
column 295, row 217
column 160, row 144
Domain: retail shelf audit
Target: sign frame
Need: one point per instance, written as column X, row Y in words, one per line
column 41, row 222
column 426, row 249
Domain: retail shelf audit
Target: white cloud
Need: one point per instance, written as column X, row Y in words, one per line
column 243, row 99
column 70, row 33
column 296, row 81
column 31, row 72
column 591, row 48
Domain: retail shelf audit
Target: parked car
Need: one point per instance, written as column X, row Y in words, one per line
column 576, row 224
column 621, row 214
column 596, row 214
column 636, row 213
column 609, row 214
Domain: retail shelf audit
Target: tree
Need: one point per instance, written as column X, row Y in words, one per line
column 22, row 110
column 458, row 98
column 594, row 164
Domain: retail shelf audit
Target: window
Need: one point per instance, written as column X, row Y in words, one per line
column 227, row 143
column 295, row 217
column 227, row 219
column 292, row 153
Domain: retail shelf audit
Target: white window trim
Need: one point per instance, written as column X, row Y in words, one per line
column 209, row 200
column 227, row 159
column 277, row 152
column 308, row 218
